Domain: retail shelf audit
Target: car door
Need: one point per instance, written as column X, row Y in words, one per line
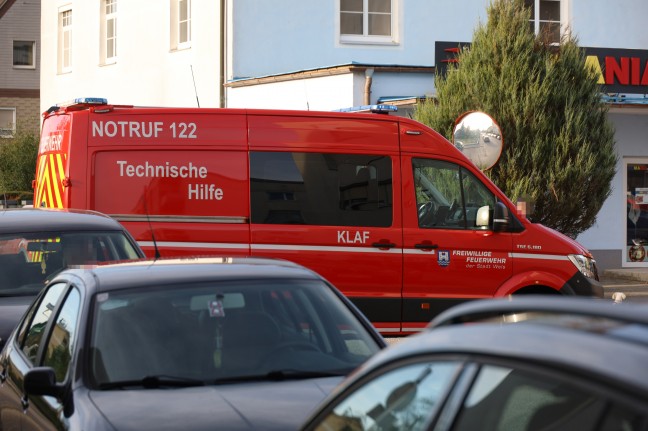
column 466, row 393
column 47, row 338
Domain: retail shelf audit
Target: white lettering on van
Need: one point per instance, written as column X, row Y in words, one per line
column 183, row 130
column 205, row 192
column 347, row 237
column 166, row 170
column 51, row 142
column 127, row 129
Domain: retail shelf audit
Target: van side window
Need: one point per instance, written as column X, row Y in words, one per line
column 321, row 189
column 447, row 195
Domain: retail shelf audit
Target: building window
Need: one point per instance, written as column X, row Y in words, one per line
column 65, row 41
column 7, row 122
column 23, row 54
column 367, row 21
column 109, row 31
column 545, row 19
column 180, row 24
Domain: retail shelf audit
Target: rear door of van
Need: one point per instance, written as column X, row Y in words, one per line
column 325, row 193
column 53, row 163
column 177, row 179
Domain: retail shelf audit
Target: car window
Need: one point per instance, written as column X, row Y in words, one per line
column 37, row 326
column 403, row 398
column 27, row 260
column 226, row 330
column 60, row 346
column 511, row 399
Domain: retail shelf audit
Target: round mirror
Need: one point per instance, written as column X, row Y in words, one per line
column 479, row 137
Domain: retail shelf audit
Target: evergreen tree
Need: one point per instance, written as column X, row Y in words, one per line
column 559, row 151
column 18, row 165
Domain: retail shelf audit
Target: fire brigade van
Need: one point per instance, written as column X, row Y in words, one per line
column 384, row 207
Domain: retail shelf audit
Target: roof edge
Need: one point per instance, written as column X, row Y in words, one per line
column 328, row 71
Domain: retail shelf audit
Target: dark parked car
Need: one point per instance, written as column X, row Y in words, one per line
column 36, row 243
column 204, row 343
column 528, row 363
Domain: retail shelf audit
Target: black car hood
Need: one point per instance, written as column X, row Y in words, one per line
column 262, row 406
column 11, row 310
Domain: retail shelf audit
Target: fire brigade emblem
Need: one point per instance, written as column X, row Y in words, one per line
column 444, row 258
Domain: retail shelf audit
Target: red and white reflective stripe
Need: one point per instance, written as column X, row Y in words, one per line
column 347, row 249
column 211, row 245
column 323, row 248
column 538, row 256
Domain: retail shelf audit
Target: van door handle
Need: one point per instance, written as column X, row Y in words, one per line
column 383, row 245
column 426, row 246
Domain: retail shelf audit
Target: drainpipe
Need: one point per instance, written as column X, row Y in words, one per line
column 223, row 58
column 367, row 89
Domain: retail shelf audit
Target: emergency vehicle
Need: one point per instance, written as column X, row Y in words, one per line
column 384, row 207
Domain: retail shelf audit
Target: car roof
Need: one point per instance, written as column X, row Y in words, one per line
column 50, row 220
column 152, row 272
column 590, row 337
column 481, row 310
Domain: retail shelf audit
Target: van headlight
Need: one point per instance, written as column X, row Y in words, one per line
column 586, row 265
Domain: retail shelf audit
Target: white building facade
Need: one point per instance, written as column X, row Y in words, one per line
column 136, row 52
column 335, row 54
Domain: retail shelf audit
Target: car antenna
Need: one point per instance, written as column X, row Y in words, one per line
column 194, row 83
column 148, row 219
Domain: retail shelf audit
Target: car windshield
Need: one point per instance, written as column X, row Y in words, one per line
column 224, row 332
column 28, row 259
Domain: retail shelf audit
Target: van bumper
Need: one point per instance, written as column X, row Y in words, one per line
column 579, row 285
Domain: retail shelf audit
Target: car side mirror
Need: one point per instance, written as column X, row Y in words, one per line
column 42, row 381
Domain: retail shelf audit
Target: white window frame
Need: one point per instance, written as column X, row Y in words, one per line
column 65, row 39
column 537, row 22
column 8, row 132
column 33, row 55
column 108, row 22
column 365, row 38
column 180, row 38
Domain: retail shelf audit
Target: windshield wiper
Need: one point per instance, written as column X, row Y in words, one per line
column 154, row 382
column 278, row 375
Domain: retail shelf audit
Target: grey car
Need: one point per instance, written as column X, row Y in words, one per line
column 525, row 363
column 36, row 243
column 193, row 343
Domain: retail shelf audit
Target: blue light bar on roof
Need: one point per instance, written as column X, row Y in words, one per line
column 85, row 101
column 379, row 109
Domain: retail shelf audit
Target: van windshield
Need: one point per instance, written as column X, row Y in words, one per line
column 28, row 259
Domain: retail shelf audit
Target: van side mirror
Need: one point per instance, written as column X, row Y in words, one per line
column 501, row 219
